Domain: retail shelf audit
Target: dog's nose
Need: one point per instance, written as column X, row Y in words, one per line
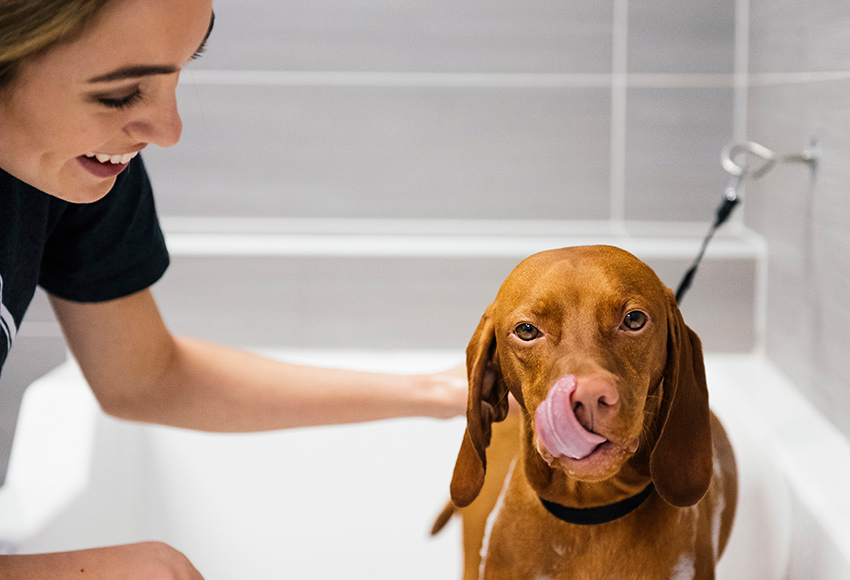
column 593, row 400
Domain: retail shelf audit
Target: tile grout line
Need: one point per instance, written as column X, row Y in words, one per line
column 619, row 68
column 222, row 77
column 741, row 69
column 740, row 114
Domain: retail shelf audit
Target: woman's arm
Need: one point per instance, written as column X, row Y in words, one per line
column 132, row 561
column 139, row 371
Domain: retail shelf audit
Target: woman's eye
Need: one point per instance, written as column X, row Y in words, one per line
column 634, row 320
column 526, row 331
column 120, row 102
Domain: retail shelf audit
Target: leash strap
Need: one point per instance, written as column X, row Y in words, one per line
column 724, row 210
column 600, row 514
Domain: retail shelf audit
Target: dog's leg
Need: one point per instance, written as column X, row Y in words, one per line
column 504, row 447
column 726, row 471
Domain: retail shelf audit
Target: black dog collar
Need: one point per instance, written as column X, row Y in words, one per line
column 600, row 514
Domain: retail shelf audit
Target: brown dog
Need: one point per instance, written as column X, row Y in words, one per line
column 620, row 470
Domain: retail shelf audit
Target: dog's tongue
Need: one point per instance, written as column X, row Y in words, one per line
column 557, row 426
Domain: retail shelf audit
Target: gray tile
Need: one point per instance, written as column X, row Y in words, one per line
column 776, row 205
column 804, row 223
column 778, row 116
column 721, row 303
column 443, row 36
column 828, row 35
column 669, row 36
column 826, row 280
column 674, row 138
column 399, row 302
column 330, row 302
column 387, row 152
column 39, row 319
column 792, row 36
column 778, row 35
column 786, row 322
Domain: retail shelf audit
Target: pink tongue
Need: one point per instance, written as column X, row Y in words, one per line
column 557, row 426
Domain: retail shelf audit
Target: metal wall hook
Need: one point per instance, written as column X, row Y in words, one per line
column 766, row 159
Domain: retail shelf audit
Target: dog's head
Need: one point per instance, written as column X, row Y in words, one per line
column 593, row 347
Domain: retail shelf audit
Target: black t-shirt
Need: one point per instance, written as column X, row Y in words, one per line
column 81, row 252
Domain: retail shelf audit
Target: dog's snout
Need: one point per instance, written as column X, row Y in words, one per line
column 593, row 400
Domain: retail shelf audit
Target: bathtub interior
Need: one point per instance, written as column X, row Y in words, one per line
column 359, row 499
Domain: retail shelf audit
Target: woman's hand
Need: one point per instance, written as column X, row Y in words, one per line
column 131, row 561
column 448, row 390
column 452, row 387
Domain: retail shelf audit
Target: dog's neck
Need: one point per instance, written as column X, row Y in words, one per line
column 597, row 515
column 555, row 486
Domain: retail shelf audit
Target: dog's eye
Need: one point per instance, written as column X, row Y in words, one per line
column 526, row 331
column 634, row 320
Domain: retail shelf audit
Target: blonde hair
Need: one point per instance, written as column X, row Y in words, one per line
column 30, row 27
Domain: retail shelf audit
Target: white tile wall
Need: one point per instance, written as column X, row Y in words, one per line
column 552, row 133
column 536, row 111
column 799, row 55
column 355, row 151
column 404, row 35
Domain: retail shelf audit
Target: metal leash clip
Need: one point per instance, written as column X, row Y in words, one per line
column 766, row 160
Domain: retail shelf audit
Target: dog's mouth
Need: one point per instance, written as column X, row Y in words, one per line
column 605, row 459
column 563, row 441
column 557, row 427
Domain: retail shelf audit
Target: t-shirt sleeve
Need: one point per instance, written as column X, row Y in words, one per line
column 107, row 249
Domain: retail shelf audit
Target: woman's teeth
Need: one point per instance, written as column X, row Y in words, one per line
column 114, row 159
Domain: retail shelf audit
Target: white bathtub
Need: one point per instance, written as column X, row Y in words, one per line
column 352, row 501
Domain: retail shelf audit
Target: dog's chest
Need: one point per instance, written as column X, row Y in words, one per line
column 526, row 542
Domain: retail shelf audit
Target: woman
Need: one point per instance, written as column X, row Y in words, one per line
column 85, row 85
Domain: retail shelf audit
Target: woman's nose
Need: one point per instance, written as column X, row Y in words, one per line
column 158, row 123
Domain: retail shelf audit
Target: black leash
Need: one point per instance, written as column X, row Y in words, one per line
column 724, row 210
column 767, row 159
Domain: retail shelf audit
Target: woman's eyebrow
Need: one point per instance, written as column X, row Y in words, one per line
column 137, row 71
column 130, row 72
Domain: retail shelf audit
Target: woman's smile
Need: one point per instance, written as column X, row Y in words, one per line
column 104, row 165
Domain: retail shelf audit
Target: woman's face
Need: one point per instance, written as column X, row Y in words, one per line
column 74, row 116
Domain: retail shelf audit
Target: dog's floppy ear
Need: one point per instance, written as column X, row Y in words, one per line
column 487, row 403
column 681, row 462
